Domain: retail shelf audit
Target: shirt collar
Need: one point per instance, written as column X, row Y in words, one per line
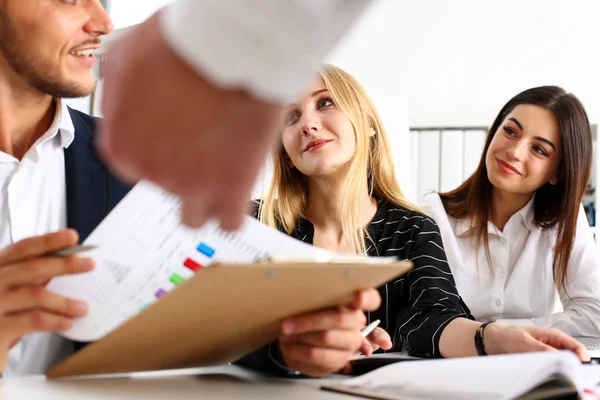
column 62, row 125
column 525, row 215
column 462, row 226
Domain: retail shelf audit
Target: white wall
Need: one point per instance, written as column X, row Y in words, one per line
column 130, row 12
column 463, row 59
column 449, row 63
column 456, row 63
column 82, row 104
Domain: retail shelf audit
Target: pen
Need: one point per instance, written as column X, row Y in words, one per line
column 69, row 251
column 370, row 328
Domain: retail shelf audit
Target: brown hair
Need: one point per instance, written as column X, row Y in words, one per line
column 554, row 205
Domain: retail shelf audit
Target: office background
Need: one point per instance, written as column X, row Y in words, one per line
column 439, row 71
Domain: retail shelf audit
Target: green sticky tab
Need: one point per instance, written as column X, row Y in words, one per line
column 177, row 279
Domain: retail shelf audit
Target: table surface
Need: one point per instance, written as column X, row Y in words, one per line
column 227, row 382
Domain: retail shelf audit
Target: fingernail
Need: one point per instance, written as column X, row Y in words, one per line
column 67, row 324
column 86, row 262
column 67, row 234
column 81, row 308
column 367, row 301
column 287, row 328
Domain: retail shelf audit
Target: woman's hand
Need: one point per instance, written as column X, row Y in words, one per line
column 379, row 338
column 323, row 342
column 500, row 339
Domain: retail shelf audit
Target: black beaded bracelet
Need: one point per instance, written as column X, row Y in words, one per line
column 479, row 339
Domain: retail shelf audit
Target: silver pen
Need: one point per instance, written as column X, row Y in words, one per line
column 69, row 251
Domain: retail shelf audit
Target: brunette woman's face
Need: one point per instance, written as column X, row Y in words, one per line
column 526, row 151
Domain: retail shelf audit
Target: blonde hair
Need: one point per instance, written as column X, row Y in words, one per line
column 371, row 166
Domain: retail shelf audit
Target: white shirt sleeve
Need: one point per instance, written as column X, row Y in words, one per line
column 271, row 48
column 581, row 300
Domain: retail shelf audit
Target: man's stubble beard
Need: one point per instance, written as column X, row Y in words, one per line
column 40, row 74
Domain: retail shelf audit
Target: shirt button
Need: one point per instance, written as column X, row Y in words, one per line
column 502, row 274
column 498, row 303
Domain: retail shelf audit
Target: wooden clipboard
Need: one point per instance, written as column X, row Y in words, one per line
column 223, row 313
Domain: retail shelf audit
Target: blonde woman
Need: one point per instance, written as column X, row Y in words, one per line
column 334, row 187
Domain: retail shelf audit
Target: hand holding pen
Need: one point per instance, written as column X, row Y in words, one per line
column 322, row 342
column 26, row 305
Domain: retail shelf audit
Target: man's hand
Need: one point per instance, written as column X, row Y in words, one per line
column 26, row 306
column 322, row 342
column 165, row 123
column 499, row 338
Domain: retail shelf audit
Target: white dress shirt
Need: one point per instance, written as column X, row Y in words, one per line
column 33, row 202
column 519, row 287
column 272, row 48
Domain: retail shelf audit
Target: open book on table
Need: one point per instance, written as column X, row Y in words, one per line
column 528, row 376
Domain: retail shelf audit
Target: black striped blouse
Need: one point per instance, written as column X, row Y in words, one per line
column 415, row 308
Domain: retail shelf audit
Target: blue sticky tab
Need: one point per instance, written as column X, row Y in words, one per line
column 206, row 250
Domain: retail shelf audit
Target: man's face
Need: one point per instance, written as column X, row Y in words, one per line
column 46, row 44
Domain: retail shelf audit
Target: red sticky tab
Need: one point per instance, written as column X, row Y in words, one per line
column 191, row 264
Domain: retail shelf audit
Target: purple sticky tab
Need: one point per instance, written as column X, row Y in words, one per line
column 160, row 293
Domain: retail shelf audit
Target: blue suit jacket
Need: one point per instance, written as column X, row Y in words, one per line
column 92, row 191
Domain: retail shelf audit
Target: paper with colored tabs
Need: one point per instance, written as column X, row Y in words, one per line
column 143, row 252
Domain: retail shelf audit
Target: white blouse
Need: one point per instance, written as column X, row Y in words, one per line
column 519, row 287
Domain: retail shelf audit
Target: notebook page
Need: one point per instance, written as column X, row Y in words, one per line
column 493, row 377
column 143, row 252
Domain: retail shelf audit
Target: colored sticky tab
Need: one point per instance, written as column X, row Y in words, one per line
column 144, row 306
column 206, row 250
column 191, row 264
column 160, row 293
column 176, row 279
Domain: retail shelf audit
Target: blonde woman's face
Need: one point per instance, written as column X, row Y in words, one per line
column 318, row 137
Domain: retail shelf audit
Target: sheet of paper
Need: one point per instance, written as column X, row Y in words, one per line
column 591, row 374
column 143, row 252
column 493, row 377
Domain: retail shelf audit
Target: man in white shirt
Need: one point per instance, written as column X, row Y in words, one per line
column 45, row 48
column 51, row 178
column 214, row 75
